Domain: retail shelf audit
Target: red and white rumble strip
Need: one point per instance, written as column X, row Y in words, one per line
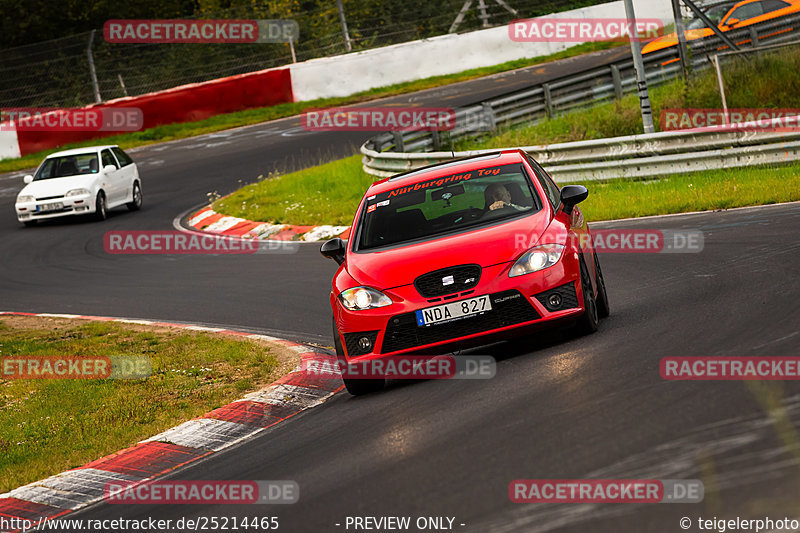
column 178, row 446
column 210, row 221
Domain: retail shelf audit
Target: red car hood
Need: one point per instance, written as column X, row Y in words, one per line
column 483, row 246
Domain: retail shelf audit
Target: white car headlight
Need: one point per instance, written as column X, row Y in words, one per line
column 23, row 199
column 77, row 192
column 537, row 258
column 360, row 298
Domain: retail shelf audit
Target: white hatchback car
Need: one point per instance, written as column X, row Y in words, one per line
column 83, row 181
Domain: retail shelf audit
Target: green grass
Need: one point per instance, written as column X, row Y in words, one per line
column 698, row 191
column 612, row 119
column 769, row 80
column 254, row 116
column 48, row 426
column 325, row 194
column 329, row 193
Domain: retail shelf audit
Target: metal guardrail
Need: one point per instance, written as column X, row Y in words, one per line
column 534, row 104
column 393, row 152
column 781, row 152
column 633, row 156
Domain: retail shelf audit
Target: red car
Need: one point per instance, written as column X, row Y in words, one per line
column 459, row 254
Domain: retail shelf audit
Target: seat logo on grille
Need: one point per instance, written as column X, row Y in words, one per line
column 469, row 280
column 448, row 280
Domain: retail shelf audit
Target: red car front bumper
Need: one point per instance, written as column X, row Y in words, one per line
column 519, row 305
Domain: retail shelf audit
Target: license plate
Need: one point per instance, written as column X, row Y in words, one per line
column 451, row 311
column 49, row 207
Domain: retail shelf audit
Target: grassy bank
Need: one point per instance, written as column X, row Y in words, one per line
column 699, row 191
column 255, row 116
column 767, row 80
column 325, row 194
column 51, row 425
column 329, row 193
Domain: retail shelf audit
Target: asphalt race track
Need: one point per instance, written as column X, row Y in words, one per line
column 559, row 407
column 61, row 267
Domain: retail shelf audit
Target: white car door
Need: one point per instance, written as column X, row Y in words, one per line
column 128, row 170
column 114, row 180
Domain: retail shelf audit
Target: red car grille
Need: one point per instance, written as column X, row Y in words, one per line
column 508, row 308
column 448, row 280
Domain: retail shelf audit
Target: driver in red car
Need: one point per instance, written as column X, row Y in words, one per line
column 498, row 197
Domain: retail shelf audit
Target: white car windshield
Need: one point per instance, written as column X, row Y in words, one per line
column 67, row 165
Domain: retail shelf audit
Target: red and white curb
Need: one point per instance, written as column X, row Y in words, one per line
column 221, row 428
column 210, row 221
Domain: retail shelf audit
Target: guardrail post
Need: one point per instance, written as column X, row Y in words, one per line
column 617, row 81
column 436, row 140
column 449, row 139
column 679, row 29
column 399, row 143
column 489, row 114
column 548, row 100
column 715, row 60
column 753, row 36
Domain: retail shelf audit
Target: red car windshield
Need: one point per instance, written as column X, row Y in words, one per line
column 444, row 205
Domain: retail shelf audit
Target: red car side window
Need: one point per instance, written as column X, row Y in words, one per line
column 550, row 188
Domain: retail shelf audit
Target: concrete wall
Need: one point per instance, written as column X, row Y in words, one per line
column 185, row 103
column 447, row 54
column 9, row 145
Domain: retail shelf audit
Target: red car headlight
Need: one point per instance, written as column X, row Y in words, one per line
column 537, row 258
column 361, row 298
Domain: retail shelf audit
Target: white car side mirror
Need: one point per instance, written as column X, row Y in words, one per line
column 27, row 179
column 109, row 168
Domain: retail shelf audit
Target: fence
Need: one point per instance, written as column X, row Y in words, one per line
column 56, row 73
column 578, row 90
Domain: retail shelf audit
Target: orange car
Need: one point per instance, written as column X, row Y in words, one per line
column 729, row 16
